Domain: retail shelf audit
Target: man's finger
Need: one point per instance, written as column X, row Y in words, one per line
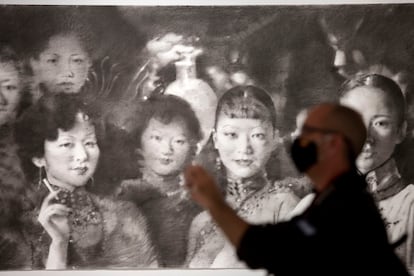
column 198, row 172
column 187, row 176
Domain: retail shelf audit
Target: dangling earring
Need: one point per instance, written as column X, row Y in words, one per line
column 92, row 181
column 265, row 174
column 218, row 163
column 39, row 181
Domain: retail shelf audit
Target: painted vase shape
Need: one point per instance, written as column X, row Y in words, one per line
column 196, row 92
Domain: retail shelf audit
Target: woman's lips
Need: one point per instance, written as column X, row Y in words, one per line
column 81, row 170
column 165, row 161
column 366, row 155
column 66, row 85
column 243, row 162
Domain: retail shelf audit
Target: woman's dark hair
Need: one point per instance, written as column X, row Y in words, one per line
column 166, row 108
column 246, row 102
column 390, row 88
column 41, row 122
column 43, row 24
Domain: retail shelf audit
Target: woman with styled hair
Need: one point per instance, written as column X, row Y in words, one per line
column 58, row 140
column 382, row 106
column 244, row 138
column 166, row 137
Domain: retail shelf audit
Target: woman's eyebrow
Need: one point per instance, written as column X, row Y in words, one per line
column 64, row 135
column 50, row 53
column 5, row 80
column 231, row 126
column 92, row 133
column 381, row 115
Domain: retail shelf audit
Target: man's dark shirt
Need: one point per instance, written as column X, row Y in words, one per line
column 341, row 233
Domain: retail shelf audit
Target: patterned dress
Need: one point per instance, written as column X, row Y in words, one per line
column 104, row 234
column 396, row 203
column 168, row 211
column 257, row 201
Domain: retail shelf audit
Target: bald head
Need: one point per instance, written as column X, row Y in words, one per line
column 341, row 119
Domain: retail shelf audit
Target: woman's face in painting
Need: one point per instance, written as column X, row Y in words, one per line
column 63, row 66
column 244, row 145
column 71, row 160
column 380, row 118
column 166, row 148
column 10, row 92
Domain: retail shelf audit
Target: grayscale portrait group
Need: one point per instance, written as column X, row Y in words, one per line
column 103, row 108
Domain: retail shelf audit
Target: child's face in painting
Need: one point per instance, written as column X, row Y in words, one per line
column 71, row 159
column 63, row 66
column 10, row 92
column 244, row 145
column 166, row 148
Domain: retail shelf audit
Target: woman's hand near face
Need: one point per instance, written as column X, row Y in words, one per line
column 54, row 219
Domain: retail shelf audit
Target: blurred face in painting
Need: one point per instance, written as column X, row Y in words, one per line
column 166, row 147
column 381, row 120
column 341, row 34
column 63, row 66
column 10, row 92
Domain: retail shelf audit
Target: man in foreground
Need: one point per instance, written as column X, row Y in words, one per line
column 341, row 233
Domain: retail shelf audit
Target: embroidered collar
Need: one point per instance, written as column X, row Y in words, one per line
column 78, row 198
column 85, row 219
column 239, row 190
column 167, row 185
column 385, row 181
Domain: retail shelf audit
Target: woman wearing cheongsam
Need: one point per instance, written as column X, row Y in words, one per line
column 71, row 228
column 244, row 138
column 166, row 138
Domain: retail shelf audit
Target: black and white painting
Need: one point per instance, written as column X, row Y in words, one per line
column 102, row 107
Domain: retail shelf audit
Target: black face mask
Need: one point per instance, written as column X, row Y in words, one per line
column 303, row 157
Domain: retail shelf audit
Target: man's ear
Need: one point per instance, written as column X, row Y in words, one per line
column 402, row 132
column 38, row 162
column 333, row 141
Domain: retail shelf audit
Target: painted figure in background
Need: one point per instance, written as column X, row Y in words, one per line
column 14, row 97
column 147, row 81
column 59, row 152
column 355, row 37
column 118, row 151
column 244, row 137
column 166, row 137
column 381, row 103
column 63, row 64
